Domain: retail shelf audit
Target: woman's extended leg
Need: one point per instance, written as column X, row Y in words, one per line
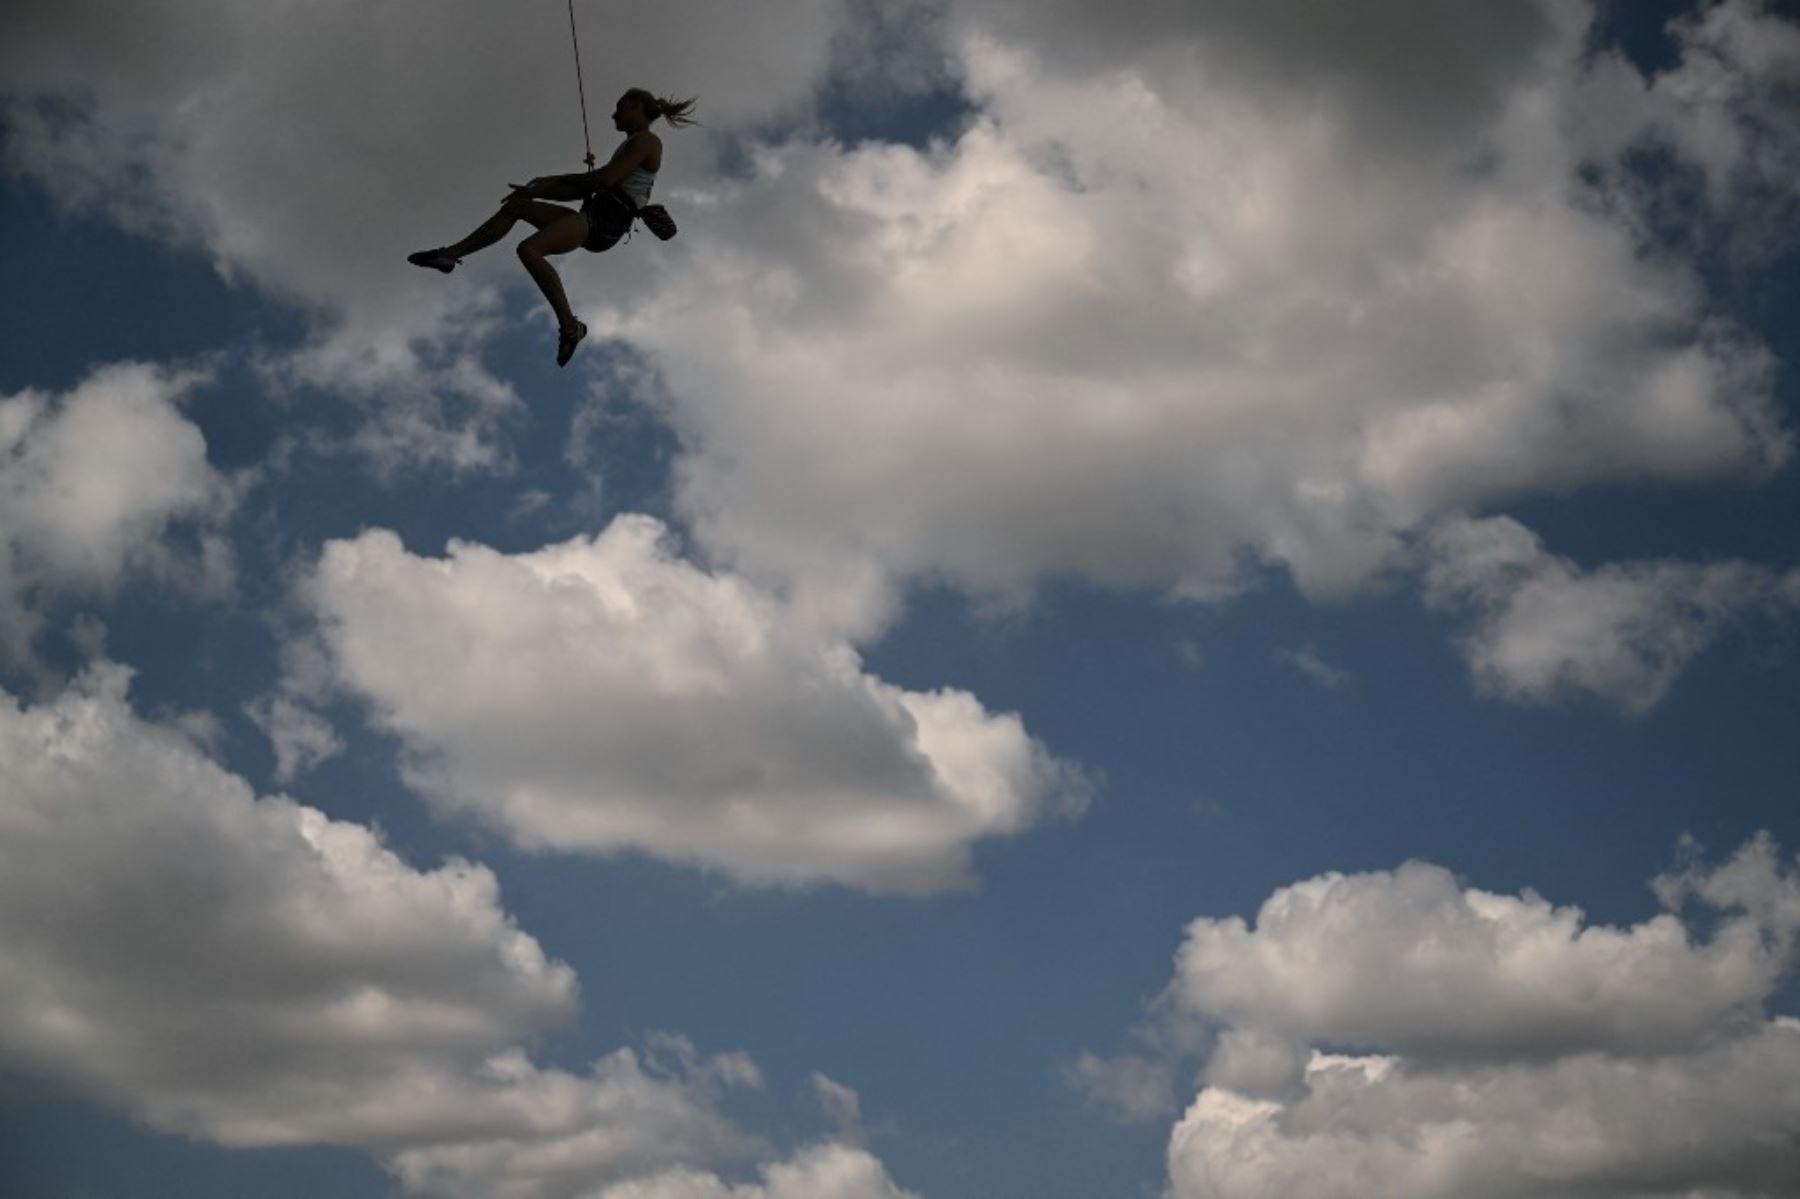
column 540, row 213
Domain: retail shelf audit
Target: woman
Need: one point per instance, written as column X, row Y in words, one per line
column 610, row 196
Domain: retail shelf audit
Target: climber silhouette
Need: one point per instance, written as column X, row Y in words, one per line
column 611, row 198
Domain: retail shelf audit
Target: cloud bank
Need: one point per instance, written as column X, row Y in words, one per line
column 1191, row 293
column 1196, row 293
column 247, row 971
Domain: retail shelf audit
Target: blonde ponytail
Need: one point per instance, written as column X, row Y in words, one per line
column 679, row 113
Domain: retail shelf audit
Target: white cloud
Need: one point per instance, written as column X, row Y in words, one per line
column 1509, row 1048
column 1413, row 70
column 603, row 694
column 300, row 737
column 842, row 1105
column 1717, row 1123
column 103, row 483
column 247, row 971
column 550, row 1135
column 1545, row 629
column 1201, row 285
column 1307, row 661
column 198, row 725
column 1732, row 109
column 1128, row 1088
column 1256, row 1063
column 1198, row 287
column 1411, row 960
column 1148, row 319
column 1753, row 881
column 828, row 1171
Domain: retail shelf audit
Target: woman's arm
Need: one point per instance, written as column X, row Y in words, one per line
column 627, row 158
column 557, row 187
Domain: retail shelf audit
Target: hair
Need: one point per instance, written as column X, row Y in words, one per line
column 679, row 113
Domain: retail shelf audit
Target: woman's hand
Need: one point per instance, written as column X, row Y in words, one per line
column 551, row 187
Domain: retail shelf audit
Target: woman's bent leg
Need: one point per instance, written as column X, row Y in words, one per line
column 558, row 237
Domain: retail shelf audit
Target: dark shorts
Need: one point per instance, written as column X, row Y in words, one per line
column 609, row 215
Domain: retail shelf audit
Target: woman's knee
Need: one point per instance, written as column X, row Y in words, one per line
column 541, row 245
column 559, row 237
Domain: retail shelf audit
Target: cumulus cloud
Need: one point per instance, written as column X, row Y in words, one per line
column 1717, row 1123
column 1151, row 316
column 829, row 1171
column 1414, row 961
column 1544, row 629
column 245, row 970
column 1401, row 1033
column 1195, row 286
column 106, row 482
column 604, row 694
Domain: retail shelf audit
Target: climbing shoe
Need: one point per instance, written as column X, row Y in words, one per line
column 567, row 340
column 437, row 260
column 656, row 218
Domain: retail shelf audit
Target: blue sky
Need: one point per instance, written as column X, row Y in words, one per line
column 1171, row 602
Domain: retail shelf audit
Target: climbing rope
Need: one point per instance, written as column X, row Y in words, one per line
column 580, row 89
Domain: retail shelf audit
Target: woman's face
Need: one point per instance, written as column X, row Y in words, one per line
column 628, row 115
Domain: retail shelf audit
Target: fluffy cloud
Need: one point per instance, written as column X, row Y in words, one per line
column 104, row 482
column 1545, row 629
column 822, row 1172
column 553, row 1135
column 1509, row 1048
column 604, row 694
column 1412, row 960
column 1149, row 316
column 247, row 971
column 1718, row 1123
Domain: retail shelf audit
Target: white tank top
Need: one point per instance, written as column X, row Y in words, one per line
column 637, row 185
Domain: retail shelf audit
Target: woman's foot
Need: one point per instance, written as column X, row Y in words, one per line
column 567, row 340
column 656, row 218
column 437, row 260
